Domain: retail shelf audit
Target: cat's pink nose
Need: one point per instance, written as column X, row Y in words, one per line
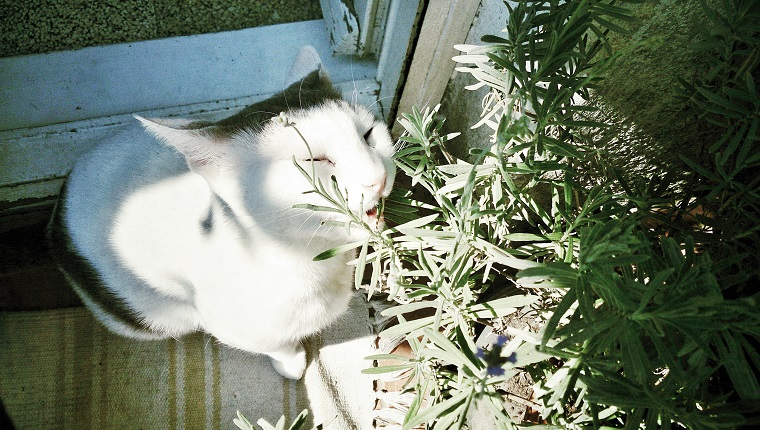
column 378, row 185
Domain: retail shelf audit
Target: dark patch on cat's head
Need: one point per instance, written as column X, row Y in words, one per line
column 313, row 90
column 220, row 211
column 207, row 224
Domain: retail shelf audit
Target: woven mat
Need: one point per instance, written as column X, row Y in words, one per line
column 61, row 369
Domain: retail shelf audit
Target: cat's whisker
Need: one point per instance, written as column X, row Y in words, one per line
column 304, row 222
column 300, row 90
column 276, row 220
column 313, row 235
column 275, row 217
column 377, row 102
column 279, row 214
column 247, row 114
column 325, row 234
column 354, row 92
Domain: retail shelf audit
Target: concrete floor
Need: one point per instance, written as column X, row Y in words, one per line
column 39, row 26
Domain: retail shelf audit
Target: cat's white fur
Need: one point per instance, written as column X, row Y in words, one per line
column 136, row 204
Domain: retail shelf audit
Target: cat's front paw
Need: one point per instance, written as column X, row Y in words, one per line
column 290, row 364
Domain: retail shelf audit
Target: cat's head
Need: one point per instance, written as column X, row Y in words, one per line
column 248, row 159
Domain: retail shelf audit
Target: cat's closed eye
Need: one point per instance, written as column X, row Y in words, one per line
column 321, row 159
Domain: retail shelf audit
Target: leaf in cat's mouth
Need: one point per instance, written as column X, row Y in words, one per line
column 372, row 212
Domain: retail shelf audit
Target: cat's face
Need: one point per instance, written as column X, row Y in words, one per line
column 248, row 158
column 344, row 141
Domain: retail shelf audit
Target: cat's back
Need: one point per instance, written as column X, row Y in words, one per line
column 124, row 161
column 128, row 171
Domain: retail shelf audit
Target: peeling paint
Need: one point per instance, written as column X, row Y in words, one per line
column 348, row 23
column 344, row 26
column 351, row 7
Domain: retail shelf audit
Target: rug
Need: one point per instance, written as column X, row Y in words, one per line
column 60, row 369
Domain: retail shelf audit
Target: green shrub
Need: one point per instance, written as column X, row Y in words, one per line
column 644, row 287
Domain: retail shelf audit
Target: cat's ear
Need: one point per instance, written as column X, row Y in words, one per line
column 307, row 62
column 203, row 152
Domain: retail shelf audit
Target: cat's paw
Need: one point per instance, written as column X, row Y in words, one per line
column 290, row 364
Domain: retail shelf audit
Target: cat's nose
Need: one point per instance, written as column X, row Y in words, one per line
column 378, row 185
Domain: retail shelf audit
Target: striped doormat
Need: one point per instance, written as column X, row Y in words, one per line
column 60, row 369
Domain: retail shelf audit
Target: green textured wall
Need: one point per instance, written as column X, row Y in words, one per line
column 639, row 95
column 37, row 26
column 642, row 88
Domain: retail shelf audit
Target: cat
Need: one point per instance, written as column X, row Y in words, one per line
column 191, row 225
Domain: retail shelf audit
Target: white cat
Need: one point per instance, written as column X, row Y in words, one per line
column 192, row 227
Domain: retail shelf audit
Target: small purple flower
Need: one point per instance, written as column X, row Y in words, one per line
column 493, row 359
column 501, row 340
column 495, row 370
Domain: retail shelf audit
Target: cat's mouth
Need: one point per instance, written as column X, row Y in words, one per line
column 374, row 218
